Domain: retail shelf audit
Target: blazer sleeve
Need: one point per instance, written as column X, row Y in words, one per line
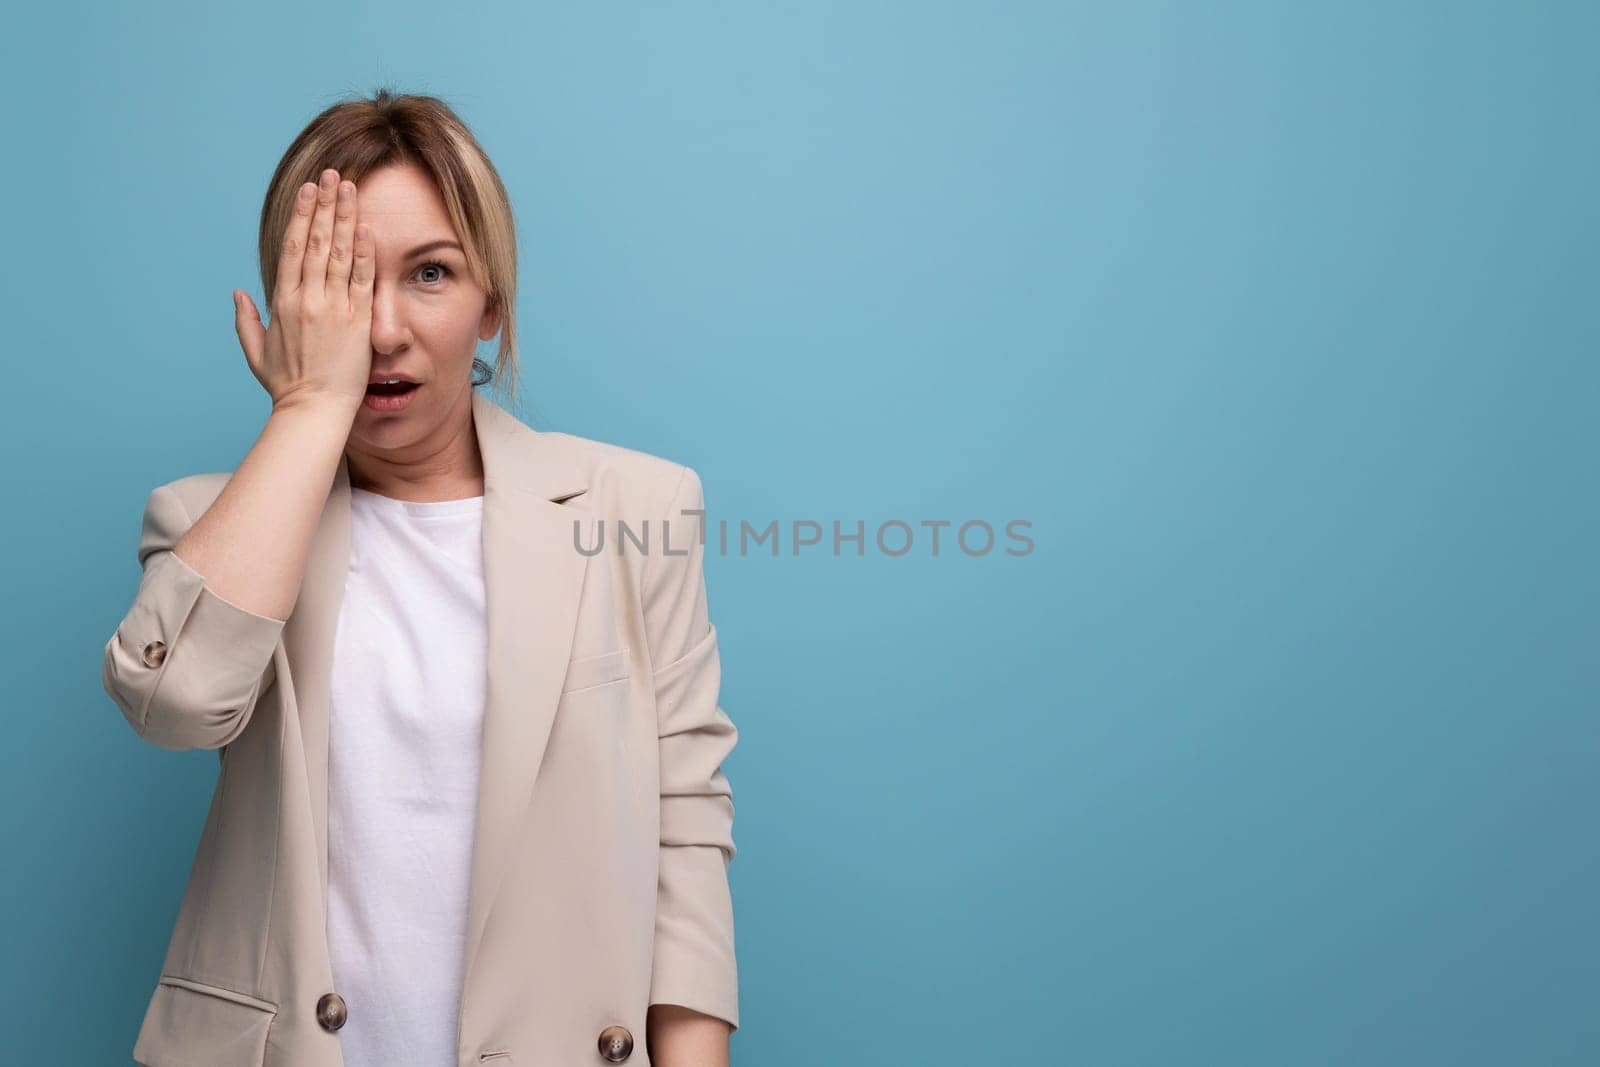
column 185, row 666
column 694, row 947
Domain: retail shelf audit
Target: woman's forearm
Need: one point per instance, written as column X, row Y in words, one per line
column 252, row 543
column 681, row 1037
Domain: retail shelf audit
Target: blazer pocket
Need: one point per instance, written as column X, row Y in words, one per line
column 587, row 672
column 191, row 1022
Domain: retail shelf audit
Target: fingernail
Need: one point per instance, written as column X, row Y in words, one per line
column 236, row 298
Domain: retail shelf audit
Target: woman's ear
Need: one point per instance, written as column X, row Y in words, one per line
column 489, row 325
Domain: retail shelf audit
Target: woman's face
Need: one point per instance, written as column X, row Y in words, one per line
column 427, row 312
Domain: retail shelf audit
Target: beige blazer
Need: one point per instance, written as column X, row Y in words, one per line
column 604, row 827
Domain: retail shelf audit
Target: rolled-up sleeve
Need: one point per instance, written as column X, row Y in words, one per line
column 185, row 666
column 695, row 966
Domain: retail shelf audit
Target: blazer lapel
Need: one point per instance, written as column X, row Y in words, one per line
column 308, row 639
column 533, row 576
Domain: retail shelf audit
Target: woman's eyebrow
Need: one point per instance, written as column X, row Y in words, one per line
column 432, row 246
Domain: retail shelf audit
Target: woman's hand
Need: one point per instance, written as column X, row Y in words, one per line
column 319, row 346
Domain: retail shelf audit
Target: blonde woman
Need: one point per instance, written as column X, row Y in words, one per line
column 470, row 807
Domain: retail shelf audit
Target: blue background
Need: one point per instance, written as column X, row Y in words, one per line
column 1277, row 321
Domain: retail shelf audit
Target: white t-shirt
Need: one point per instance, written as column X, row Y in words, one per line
column 404, row 752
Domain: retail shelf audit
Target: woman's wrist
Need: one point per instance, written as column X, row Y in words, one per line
column 315, row 405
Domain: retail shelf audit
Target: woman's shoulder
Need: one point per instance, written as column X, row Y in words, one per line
column 606, row 474
column 630, row 478
column 597, row 475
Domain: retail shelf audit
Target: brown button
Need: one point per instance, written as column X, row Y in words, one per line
column 616, row 1044
column 331, row 1012
column 154, row 653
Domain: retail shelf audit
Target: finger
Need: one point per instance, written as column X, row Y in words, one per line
column 294, row 239
column 344, row 228
column 314, row 274
column 362, row 268
column 247, row 324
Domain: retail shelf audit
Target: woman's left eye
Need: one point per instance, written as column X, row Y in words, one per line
column 443, row 270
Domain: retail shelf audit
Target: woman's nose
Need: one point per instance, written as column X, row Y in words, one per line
column 388, row 329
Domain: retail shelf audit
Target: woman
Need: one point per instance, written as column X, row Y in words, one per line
column 471, row 807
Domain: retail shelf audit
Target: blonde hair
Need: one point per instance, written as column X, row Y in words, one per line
column 357, row 137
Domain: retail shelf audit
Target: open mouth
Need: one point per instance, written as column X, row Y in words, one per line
column 390, row 388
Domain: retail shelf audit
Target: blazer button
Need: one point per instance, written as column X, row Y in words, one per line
column 331, row 1012
column 616, row 1044
column 154, row 653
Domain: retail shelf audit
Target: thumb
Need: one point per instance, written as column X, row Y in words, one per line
column 247, row 323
